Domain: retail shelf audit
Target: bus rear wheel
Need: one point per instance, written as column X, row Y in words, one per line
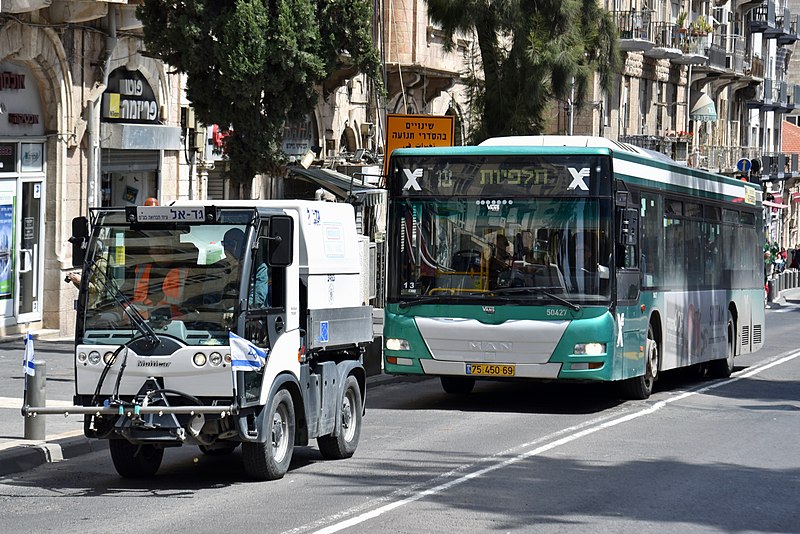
column 724, row 368
column 641, row 387
column 457, row 385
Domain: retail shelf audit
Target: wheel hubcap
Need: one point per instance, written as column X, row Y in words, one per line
column 279, row 436
column 347, row 417
column 652, row 361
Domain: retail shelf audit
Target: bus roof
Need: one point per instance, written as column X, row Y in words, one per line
column 581, row 144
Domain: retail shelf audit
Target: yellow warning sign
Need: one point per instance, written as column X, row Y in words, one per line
column 417, row 131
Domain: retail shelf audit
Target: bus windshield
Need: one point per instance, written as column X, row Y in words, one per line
column 183, row 281
column 463, row 248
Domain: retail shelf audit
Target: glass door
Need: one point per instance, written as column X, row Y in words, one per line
column 29, row 251
column 8, row 195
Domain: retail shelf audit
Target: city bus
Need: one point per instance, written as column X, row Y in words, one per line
column 568, row 258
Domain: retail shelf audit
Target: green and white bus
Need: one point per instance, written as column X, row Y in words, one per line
column 568, row 258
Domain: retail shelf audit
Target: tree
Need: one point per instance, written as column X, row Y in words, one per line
column 254, row 64
column 530, row 52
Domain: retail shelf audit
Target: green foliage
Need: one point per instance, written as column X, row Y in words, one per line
column 253, row 64
column 529, row 51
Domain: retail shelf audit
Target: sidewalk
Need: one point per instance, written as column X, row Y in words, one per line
column 64, row 435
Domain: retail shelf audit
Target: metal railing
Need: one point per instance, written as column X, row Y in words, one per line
column 633, row 24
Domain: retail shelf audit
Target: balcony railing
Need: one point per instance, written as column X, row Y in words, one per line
column 635, row 29
column 762, row 18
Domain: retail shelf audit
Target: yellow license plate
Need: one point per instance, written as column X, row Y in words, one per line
column 490, row 369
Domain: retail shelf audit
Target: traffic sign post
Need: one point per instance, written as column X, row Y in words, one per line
column 743, row 165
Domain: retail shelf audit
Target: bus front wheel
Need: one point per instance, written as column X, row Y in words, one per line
column 641, row 387
column 457, row 385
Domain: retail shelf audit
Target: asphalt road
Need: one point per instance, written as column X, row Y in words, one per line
column 699, row 456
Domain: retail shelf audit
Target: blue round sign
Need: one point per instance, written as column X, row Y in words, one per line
column 743, row 165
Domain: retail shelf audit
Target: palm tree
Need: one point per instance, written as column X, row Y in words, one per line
column 530, row 52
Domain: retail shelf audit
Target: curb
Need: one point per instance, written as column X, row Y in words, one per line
column 26, row 457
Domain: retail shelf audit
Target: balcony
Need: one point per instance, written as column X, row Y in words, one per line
column 783, row 21
column 783, row 98
column 762, row 18
column 667, row 41
column 790, row 29
column 635, row 30
column 694, row 48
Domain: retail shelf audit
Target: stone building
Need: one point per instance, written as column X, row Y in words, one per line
column 87, row 119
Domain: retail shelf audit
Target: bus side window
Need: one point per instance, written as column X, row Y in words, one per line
column 652, row 239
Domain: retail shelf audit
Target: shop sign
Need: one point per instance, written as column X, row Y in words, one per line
column 129, row 98
column 20, row 107
column 298, row 136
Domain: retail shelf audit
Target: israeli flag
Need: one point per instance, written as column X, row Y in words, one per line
column 244, row 355
column 27, row 361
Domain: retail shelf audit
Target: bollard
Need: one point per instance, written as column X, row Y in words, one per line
column 36, row 396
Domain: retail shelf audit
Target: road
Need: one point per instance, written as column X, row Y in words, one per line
column 698, row 456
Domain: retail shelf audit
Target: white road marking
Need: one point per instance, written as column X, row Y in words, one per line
column 13, row 402
column 573, row 436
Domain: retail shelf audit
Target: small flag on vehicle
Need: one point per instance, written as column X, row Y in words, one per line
column 27, row 362
column 244, row 355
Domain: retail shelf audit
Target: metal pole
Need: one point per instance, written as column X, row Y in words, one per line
column 571, row 105
column 35, row 395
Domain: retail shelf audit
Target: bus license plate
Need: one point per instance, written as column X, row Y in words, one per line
column 490, row 369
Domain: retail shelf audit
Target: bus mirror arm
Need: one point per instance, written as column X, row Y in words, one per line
column 628, row 226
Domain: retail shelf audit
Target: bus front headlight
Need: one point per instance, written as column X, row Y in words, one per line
column 397, row 344
column 94, row 357
column 199, row 359
column 589, row 349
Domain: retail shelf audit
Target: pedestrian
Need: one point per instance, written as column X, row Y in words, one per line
column 795, row 263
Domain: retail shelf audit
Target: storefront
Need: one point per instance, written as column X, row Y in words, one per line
column 22, row 194
column 133, row 139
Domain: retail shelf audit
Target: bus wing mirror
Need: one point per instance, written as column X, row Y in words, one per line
column 79, row 239
column 628, row 233
column 281, row 231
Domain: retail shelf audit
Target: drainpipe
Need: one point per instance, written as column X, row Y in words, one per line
column 93, row 109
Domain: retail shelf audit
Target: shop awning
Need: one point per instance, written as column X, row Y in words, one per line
column 341, row 185
column 774, row 204
column 704, row 109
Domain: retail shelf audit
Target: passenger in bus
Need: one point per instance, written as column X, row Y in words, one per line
column 500, row 260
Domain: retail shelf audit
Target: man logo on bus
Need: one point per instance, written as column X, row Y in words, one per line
column 577, row 179
column 411, row 179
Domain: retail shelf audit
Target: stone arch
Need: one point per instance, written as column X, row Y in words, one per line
column 349, row 140
column 127, row 54
column 41, row 51
column 407, row 106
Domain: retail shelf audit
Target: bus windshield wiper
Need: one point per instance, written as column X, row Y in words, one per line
column 539, row 290
column 443, row 299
